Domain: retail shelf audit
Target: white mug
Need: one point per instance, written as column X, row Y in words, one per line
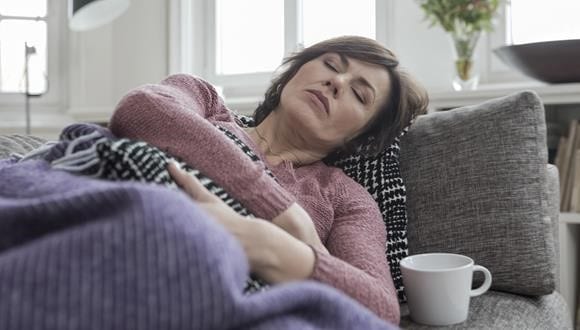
column 438, row 287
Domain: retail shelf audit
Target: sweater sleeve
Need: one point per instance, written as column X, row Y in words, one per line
column 357, row 263
column 176, row 116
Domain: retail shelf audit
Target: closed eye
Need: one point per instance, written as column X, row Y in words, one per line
column 330, row 66
column 358, row 96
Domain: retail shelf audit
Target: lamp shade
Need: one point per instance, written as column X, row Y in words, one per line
column 89, row 14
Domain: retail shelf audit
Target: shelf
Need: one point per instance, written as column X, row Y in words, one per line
column 550, row 94
column 570, row 218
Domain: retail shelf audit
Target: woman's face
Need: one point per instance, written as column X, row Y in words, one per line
column 331, row 98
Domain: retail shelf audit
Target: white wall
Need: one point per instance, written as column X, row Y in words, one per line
column 99, row 66
column 424, row 51
column 107, row 62
column 103, row 64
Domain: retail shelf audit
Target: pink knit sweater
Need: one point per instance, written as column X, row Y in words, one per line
column 178, row 116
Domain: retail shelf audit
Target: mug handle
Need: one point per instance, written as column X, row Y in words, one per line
column 486, row 283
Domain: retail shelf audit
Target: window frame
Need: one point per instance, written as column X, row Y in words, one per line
column 494, row 71
column 52, row 100
column 195, row 20
column 190, row 21
column 232, row 83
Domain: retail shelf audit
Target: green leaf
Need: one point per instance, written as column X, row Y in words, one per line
column 452, row 15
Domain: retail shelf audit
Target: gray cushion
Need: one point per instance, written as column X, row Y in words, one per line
column 18, row 144
column 499, row 310
column 476, row 185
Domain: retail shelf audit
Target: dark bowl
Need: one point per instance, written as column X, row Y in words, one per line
column 550, row 61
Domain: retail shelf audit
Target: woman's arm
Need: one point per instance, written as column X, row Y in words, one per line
column 273, row 254
column 176, row 116
column 358, row 265
column 357, row 262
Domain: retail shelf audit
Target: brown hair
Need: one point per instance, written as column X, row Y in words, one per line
column 406, row 100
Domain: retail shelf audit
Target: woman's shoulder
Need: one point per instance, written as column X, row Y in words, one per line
column 197, row 90
column 188, row 82
column 339, row 182
column 347, row 196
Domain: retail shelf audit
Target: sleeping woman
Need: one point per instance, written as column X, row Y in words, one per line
column 311, row 220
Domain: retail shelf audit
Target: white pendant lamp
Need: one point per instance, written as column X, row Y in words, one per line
column 89, row 14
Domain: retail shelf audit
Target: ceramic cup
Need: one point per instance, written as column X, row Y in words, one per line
column 438, row 287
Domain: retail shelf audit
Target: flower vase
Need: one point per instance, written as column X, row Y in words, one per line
column 464, row 43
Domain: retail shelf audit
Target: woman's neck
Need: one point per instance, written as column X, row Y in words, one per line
column 278, row 143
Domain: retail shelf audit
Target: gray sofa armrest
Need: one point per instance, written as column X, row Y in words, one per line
column 18, row 144
column 477, row 184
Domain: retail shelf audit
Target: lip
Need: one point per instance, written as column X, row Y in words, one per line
column 320, row 98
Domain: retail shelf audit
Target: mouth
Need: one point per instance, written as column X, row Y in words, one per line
column 321, row 98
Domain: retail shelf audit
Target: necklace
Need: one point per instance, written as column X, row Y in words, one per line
column 269, row 149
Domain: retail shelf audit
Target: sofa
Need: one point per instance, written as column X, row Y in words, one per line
column 478, row 183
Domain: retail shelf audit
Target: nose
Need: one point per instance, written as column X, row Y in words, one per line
column 336, row 84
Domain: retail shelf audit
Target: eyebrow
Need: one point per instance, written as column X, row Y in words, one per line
column 362, row 80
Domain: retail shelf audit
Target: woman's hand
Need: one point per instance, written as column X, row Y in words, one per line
column 294, row 220
column 210, row 202
column 272, row 253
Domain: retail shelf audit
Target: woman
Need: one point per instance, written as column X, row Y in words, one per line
column 331, row 98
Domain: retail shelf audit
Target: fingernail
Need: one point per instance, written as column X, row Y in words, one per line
column 173, row 163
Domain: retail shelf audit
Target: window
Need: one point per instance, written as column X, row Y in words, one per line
column 30, row 33
column 524, row 21
column 24, row 49
column 528, row 21
column 325, row 19
column 250, row 35
column 236, row 53
column 243, row 42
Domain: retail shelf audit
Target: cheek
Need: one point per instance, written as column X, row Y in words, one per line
column 345, row 126
column 288, row 97
column 352, row 121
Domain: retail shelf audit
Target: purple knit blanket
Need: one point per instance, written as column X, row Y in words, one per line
column 81, row 253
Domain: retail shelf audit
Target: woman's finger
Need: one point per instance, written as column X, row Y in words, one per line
column 190, row 184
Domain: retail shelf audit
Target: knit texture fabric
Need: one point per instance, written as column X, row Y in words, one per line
column 179, row 116
column 79, row 253
column 381, row 177
column 90, row 150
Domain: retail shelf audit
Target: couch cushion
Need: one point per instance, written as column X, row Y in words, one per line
column 499, row 310
column 381, row 177
column 476, row 185
column 15, row 144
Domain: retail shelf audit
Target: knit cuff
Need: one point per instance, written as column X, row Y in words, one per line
column 323, row 268
column 267, row 203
